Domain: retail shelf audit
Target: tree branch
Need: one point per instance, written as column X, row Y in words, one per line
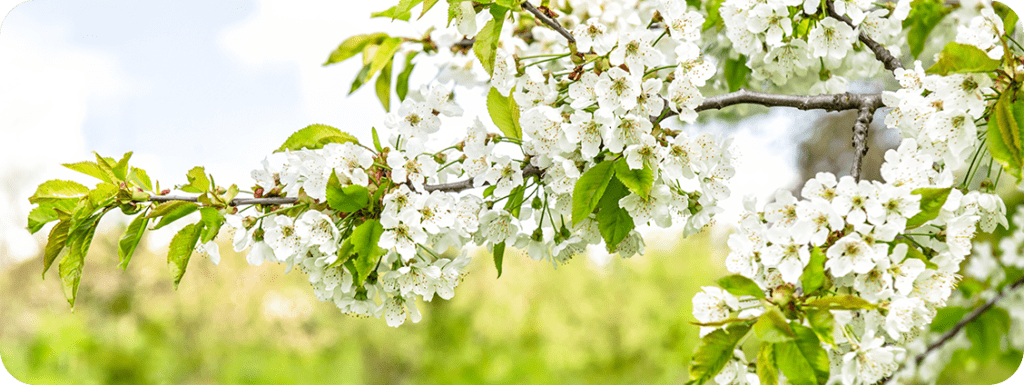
column 966, row 320
column 549, row 21
column 860, row 138
column 827, row 102
column 528, row 171
column 883, row 55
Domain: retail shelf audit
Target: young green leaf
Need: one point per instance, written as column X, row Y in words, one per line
column 55, row 243
column 924, row 16
column 773, row 327
column 365, row 238
column 958, row 58
column 310, row 138
column 376, row 139
column 814, row 273
column 427, row 5
column 841, row 302
column 90, row 169
column 353, row 45
column 1009, row 17
column 383, row 87
column 499, row 256
column 180, row 250
column 739, row 285
column 803, row 361
column 504, row 113
column 947, row 317
column 212, row 220
column 39, row 217
column 198, row 182
column 715, row 351
column 932, row 199
column 106, row 165
column 130, row 240
column 486, row 44
column 57, row 189
column 766, row 366
column 822, row 321
column 169, row 212
column 589, row 189
column 736, row 73
column 613, row 222
column 383, row 56
column 346, row 199
column 77, row 246
column 402, row 82
column 120, row 169
column 638, row 181
column 140, row 179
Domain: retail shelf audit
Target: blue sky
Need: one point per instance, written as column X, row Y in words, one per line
column 218, row 84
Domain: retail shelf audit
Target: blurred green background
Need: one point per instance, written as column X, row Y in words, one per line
column 624, row 322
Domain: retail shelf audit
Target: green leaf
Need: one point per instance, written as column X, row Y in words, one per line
column 344, row 254
column 504, row 113
column 212, row 220
column 346, row 199
column 958, row 58
column 400, row 11
column 499, row 256
column 947, row 317
column 736, row 73
column 359, row 80
column 773, row 327
column 638, row 181
column 140, row 179
column 1009, row 17
column 198, row 182
column 169, row 212
column 841, row 302
column 932, row 200
column 120, row 169
column 77, row 246
column 924, row 16
column 739, row 285
column 311, row 136
column 383, row 56
column 614, row 222
column 353, row 45
column 91, row 169
column 804, row 361
column 822, row 321
column 106, row 165
column 766, row 366
column 402, row 83
column 715, row 350
column 987, row 333
column 182, row 245
column 376, row 140
column 55, row 243
column 486, row 45
column 814, row 273
column 383, row 87
column 589, row 189
column 39, row 217
column 130, row 240
column 56, row 189
column 365, row 238
column 427, row 5
column 915, row 253
column 714, row 18
column 1004, row 143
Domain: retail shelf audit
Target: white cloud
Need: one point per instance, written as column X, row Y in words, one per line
column 48, row 89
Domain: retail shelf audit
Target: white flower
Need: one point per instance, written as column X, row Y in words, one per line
column 503, row 174
column 395, row 311
column 850, row 254
column 403, row 237
column 905, row 314
column 685, row 27
column 650, row 102
column 712, row 305
column 644, row 154
column 655, row 206
column 870, row 362
column 318, row 230
column 852, row 8
column 679, row 160
column 831, row 38
column 504, row 75
column 280, row 235
column 413, row 119
column 593, row 35
column 635, row 51
column 210, row 250
column 627, row 131
column 617, row 90
column 465, row 18
column 683, row 98
column 417, row 170
column 786, row 254
column 583, row 92
column 960, row 233
column 497, row 226
column 587, row 130
column 773, row 20
column 440, row 99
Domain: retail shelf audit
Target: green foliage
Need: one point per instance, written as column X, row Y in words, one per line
column 212, row 220
column 736, row 73
column 639, row 181
column 169, row 212
column 841, row 302
column 77, row 246
column 822, row 321
column 427, row 5
column 613, row 222
column 346, row 199
column 499, row 256
column 772, row 326
column 932, row 199
column 56, row 190
column 486, row 45
column 402, row 11
column 1008, row 15
column 383, row 87
column 130, row 240
column 716, row 350
column 180, row 250
column 354, row 45
column 813, row 277
column 803, row 361
column 198, row 182
column 924, row 16
column 55, row 243
column 958, row 58
column 315, row 136
column 714, row 18
column 402, row 82
column 739, row 285
column 590, row 189
column 504, row 113
column 365, row 238
column 946, row 317
column 1004, row 136
column 987, row 333
column 89, row 168
column 766, row 365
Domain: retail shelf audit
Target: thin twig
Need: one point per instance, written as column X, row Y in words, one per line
column 883, row 55
column 827, row 102
column 967, row 319
column 549, row 21
column 860, row 138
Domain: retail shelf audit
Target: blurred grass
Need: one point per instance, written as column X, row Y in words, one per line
column 626, row 322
